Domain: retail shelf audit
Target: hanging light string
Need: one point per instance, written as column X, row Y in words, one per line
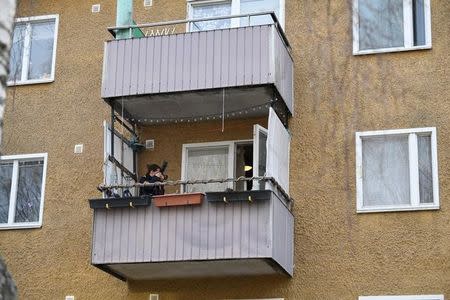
column 211, row 117
column 269, row 179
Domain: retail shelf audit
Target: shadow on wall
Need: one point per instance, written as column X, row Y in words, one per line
column 214, row 288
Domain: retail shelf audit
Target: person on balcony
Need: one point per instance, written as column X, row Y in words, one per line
column 154, row 174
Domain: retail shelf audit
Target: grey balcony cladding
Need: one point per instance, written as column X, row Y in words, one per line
column 198, row 60
column 211, row 231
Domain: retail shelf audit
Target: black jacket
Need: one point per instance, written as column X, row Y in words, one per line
column 151, row 190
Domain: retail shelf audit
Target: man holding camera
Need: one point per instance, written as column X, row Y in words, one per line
column 154, row 174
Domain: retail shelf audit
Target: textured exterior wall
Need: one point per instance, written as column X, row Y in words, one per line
column 338, row 254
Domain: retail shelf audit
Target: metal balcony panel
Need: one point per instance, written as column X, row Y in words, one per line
column 237, row 232
column 193, row 61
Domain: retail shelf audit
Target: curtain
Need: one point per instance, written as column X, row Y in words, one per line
column 207, row 163
column 211, row 10
column 41, row 51
column 385, row 170
column 380, row 24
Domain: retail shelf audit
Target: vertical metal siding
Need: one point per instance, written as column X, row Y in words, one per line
column 284, row 70
column 209, row 231
column 188, row 61
column 283, row 235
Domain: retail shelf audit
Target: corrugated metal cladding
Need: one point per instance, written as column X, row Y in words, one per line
column 210, row 231
column 198, row 60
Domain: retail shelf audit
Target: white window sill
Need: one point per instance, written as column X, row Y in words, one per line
column 387, row 50
column 375, row 209
column 20, row 226
column 34, row 81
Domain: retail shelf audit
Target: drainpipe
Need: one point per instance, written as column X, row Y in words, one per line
column 124, row 17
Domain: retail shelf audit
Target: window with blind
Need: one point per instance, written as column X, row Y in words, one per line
column 391, row 25
column 397, row 170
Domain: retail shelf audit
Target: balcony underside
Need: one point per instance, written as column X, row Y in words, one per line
column 194, row 269
column 199, row 105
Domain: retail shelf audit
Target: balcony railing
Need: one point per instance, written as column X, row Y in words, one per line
column 153, row 77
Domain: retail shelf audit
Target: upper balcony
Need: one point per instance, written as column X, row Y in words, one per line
column 199, row 73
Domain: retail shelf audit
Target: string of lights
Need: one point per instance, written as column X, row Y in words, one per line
column 211, row 117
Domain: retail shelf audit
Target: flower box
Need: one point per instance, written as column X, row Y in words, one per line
column 178, row 199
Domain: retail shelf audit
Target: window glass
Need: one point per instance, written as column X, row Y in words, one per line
column 5, row 190
column 41, row 52
column 16, row 53
column 380, row 24
column 419, row 22
column 29, row 191
column 254, row 6
column 425, row 169
column 385, row 170
column 211, row 10
column 208, row 163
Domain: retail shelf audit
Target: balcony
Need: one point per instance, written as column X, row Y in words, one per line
column 196, row 80
column 191, row 74
column 235, row 237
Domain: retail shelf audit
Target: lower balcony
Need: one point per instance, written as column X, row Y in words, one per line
column 246, row 233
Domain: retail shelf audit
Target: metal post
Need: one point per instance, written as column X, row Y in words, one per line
column 124, row 17
column 112, row 128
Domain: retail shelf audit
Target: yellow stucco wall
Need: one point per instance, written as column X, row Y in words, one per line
column 338, row 253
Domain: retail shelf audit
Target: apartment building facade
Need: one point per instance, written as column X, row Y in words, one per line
column 315, row 138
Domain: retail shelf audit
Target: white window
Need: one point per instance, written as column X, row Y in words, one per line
column 33, row 51
column 409, row 297
column 391, row 25
column 208, row 161
column 205, row 9
column 397, row 170
column 22, row 186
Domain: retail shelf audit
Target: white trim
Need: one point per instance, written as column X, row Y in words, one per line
column 27, row 47
column 413, row 169
column 407, row 297
column 257, row 129
column 408, row 28
column 408, row 24
column 435, row 167
column 13, row 194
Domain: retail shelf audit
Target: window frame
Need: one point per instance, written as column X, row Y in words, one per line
column 27, row 46
column 12, row 203
column 408, row 30
column 221, row 144
column 235, row 10
column 407, row 297
column 413, row 168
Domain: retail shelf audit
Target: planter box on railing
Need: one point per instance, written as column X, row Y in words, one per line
column 178, row 199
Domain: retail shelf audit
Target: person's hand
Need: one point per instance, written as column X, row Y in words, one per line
column 159, row 175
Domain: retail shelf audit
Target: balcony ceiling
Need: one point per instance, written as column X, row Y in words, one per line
column 175, row 107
